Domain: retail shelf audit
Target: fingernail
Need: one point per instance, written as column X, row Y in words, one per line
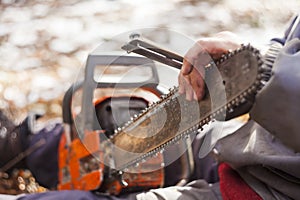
column 180, row 90
column 196, row 97
column 188, row 98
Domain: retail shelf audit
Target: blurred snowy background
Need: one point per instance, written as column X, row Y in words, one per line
column 43, row 43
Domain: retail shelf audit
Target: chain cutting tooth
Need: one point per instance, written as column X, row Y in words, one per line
column 249, row 47
column 237, row 103
column 230, row 54
column 233, row 102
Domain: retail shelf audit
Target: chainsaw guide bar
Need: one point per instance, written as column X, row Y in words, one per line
column 231, row 81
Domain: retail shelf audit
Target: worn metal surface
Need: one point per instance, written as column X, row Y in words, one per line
column 236, row 77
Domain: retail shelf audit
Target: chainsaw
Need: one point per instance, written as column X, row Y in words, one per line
column 131, row 155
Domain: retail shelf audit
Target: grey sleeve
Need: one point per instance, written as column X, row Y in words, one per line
column 196, row 190
column 276, row 106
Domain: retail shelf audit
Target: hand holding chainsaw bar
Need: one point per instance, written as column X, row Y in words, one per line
column 240, row 73
column 199, row 56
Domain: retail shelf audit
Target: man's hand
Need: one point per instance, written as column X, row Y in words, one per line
column 192, row 74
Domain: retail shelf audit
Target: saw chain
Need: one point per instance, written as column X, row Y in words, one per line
column 236, row 78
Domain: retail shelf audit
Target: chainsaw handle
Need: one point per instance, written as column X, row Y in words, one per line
column 67, row 101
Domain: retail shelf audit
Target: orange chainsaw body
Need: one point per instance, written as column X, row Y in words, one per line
column 80, row 165
column 80, row 168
